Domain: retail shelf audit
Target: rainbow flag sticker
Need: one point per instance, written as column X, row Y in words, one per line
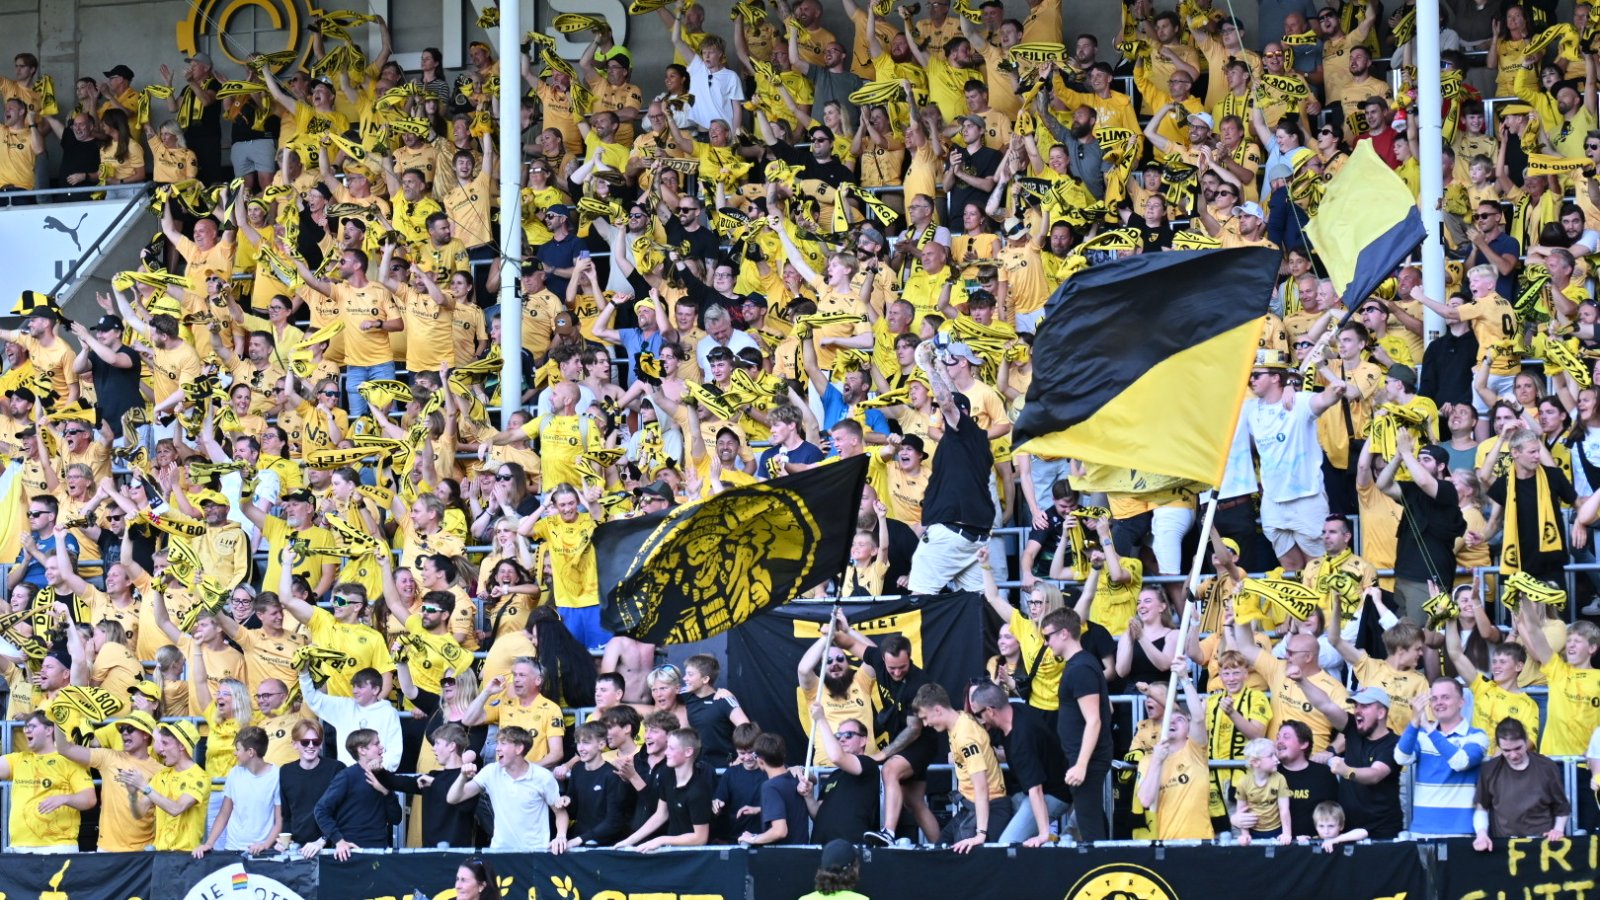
column 241, row 881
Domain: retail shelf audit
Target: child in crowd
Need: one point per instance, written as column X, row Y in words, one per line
column 602, row 803
column 737, row 802
column 1262, row 790
column 1329, row 819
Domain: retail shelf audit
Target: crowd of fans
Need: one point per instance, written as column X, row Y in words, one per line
column 282, row 564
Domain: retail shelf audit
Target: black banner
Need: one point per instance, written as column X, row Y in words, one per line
column 1519, row 867
column 589, row 875
column 220, row 875
column 1113, row 873
column 1445, row 870
column 946, row 634
column 702, row 568
column 82, row 876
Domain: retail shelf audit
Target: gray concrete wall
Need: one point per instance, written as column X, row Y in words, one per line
column 85, row 37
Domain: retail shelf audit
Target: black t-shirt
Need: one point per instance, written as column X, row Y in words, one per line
column 780, row 799
column 443, row 822
column 1375, row 807
column 1082, row 676
column 651, row 795
column 1034, row 754
column 115, row 389
column 893, row 705
column 78, row 157
column 1048, row 538
column 688, row 805
column 1314, row 784
column 703, row 242
column 242, row 127
column 1155, row 237
column 299, row 790
column 1438, row 518
column 981, row 163
column 958, row 487
column 602, row 804
column 1547, row 564
column 849, row 806
column 710, row 717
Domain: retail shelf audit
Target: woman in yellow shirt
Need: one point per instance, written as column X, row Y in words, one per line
column 976, row 244
column 927, row 165
column 174, row 160
column 121, row 157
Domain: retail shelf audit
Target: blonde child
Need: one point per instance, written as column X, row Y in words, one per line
column 1262, row 790
column 1329, row 820
column 869, row 560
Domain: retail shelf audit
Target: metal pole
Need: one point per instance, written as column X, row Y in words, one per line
column 510, row 151
column 1188, row 610
column 1430, row 158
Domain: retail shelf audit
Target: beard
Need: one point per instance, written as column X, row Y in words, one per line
column 839, row 686
column 1083, row 130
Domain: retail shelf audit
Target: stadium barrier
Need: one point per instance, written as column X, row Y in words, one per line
column 1447, row 870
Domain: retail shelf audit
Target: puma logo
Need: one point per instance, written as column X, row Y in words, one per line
column 51, row 223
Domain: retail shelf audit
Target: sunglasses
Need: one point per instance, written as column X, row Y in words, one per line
column 1227, row 193
column 1047, row 635
column 846, row 735
column 499, row 477
column 330, row 393
column 1369, row 309
column 431, row 610
column 36, row 513
column 838, row 659
column 342, row 600
column 74, row 432
column 687, row 211
column 447, row 682
column 1326, row 132
column 309, row 742
column 126, row 729
column 1255, row 375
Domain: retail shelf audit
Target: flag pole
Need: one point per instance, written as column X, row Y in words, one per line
column 822, row 670
column 1190, row 589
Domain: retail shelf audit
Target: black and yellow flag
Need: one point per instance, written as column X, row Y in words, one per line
column 1149, row 361
column 699, row 569
column 1366, row 225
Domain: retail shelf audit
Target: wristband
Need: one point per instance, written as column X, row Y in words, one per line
column 147, row 790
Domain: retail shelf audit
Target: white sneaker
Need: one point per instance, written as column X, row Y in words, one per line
column 1592, row 608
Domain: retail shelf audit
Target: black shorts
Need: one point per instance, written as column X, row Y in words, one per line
column 920, row 756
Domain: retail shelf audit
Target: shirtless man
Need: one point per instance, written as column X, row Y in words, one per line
column 633, row 660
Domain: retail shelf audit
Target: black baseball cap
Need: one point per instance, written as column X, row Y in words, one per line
column 107, row 323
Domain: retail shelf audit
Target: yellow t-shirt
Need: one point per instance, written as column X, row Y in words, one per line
column 428, row 337
column 1046, row 672
column 1289, row 702
column 1262, row 799
column 361, row 645
column 970, row 752
column 119, row 830
column 571, row 546
column 542, row 718
column 1492, row 704
column 856, row 704
column 1574, row 708
column 270, row 657
column 441, row 651
column 1184, row 804
column 34, row 777
column 1402, row 687
column 183, row 832
column 1114, row 604
column 357, row 305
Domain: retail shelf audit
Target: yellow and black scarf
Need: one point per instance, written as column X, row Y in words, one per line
column 1549, row 530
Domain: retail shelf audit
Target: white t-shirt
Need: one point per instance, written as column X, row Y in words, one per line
column 738, row 340
column 717, row 95
column 521, row 807
column 1286, row 440
column 254, row 798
